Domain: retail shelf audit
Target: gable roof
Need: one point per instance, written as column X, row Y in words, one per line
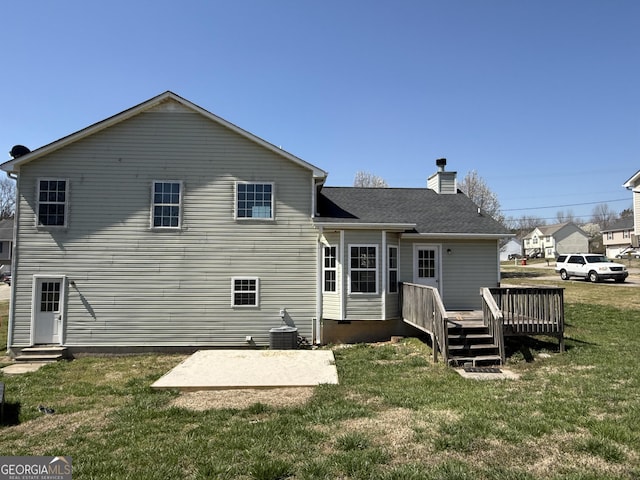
column 13, row 166
column 550, row 230
column 634, row 181
column 412, row 210
column 624, row 223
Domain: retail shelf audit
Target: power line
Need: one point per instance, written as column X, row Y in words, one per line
column 567, row 205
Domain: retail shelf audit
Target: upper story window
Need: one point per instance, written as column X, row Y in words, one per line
column 167, row 204
column 329, row 268
column 53, row 195
column 363, row 268
column 609, row 235
column 626, row 234
column 254, row 200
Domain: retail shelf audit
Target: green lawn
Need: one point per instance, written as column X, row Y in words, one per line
column 395, row 415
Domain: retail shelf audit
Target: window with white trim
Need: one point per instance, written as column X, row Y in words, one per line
column 392, row 269
column 329, row 269
column 53, row 198
column 166, row 204
column 254, row 200
column 244, row 291
column 626, row 234
column 363, row 268
column 609, row 235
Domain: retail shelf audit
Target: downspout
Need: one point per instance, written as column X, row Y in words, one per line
column 14, row 262
column 498, row 257
column 383, row 272
column 343, row 286
column 319, row 299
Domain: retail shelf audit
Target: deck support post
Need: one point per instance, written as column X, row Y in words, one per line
column 434, row 344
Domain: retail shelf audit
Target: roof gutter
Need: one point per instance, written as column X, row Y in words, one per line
column 400, row 227
column 461, row 236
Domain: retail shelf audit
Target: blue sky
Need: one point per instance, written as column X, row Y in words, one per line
column 541, row 98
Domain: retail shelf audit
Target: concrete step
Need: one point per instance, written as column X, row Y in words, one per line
column 39, row 358
column 42, row 353
column 475, row 360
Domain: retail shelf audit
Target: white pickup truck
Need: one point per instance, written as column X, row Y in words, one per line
column 592, row 266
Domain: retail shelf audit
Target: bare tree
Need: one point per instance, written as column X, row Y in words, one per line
column 627, row 212
column 524, row 224
column 603, row 215
column 366, row 179
column 563, row 217
column 474, row 186
column 7, row 198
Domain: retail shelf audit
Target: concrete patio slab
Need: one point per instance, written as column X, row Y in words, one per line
column 22, row 367
column 503, row 375
column 226, row 369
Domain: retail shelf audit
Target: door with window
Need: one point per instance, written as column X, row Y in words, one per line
column 48, row 308
column 426, row 265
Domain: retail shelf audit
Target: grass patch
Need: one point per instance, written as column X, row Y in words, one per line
column 394, row 416
column 580, row 291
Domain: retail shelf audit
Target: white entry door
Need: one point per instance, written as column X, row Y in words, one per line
column 48, row 307
column 426, row 265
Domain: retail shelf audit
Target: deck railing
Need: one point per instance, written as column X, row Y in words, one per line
column 493, row 319
column 423, row 308
column 531, row 310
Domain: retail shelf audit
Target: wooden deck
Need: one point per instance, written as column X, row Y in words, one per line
column 471, row 336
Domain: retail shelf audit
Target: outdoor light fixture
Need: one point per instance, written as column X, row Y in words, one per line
column 449, row 252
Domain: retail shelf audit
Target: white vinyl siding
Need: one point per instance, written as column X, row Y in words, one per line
column 636, row 210
column 136, row 286
column 472, row 264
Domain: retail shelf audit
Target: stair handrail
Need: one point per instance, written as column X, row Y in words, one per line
column 423, row 308
column 493, row 319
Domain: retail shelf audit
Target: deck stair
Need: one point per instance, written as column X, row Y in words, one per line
column 42, row 354
column 470, row 343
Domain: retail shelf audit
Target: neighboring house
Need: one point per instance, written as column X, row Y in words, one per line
column 617, row 239
column 166, row 226
column 633, row 184
column 511, row 249
column 6, row 244
column 549, row 241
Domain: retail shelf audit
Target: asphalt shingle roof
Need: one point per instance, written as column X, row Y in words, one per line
column 624, row 223
column 429, row 211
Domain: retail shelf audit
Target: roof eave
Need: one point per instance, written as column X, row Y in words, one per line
column 633, row 182
column 399, row 227
column 459, row 236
